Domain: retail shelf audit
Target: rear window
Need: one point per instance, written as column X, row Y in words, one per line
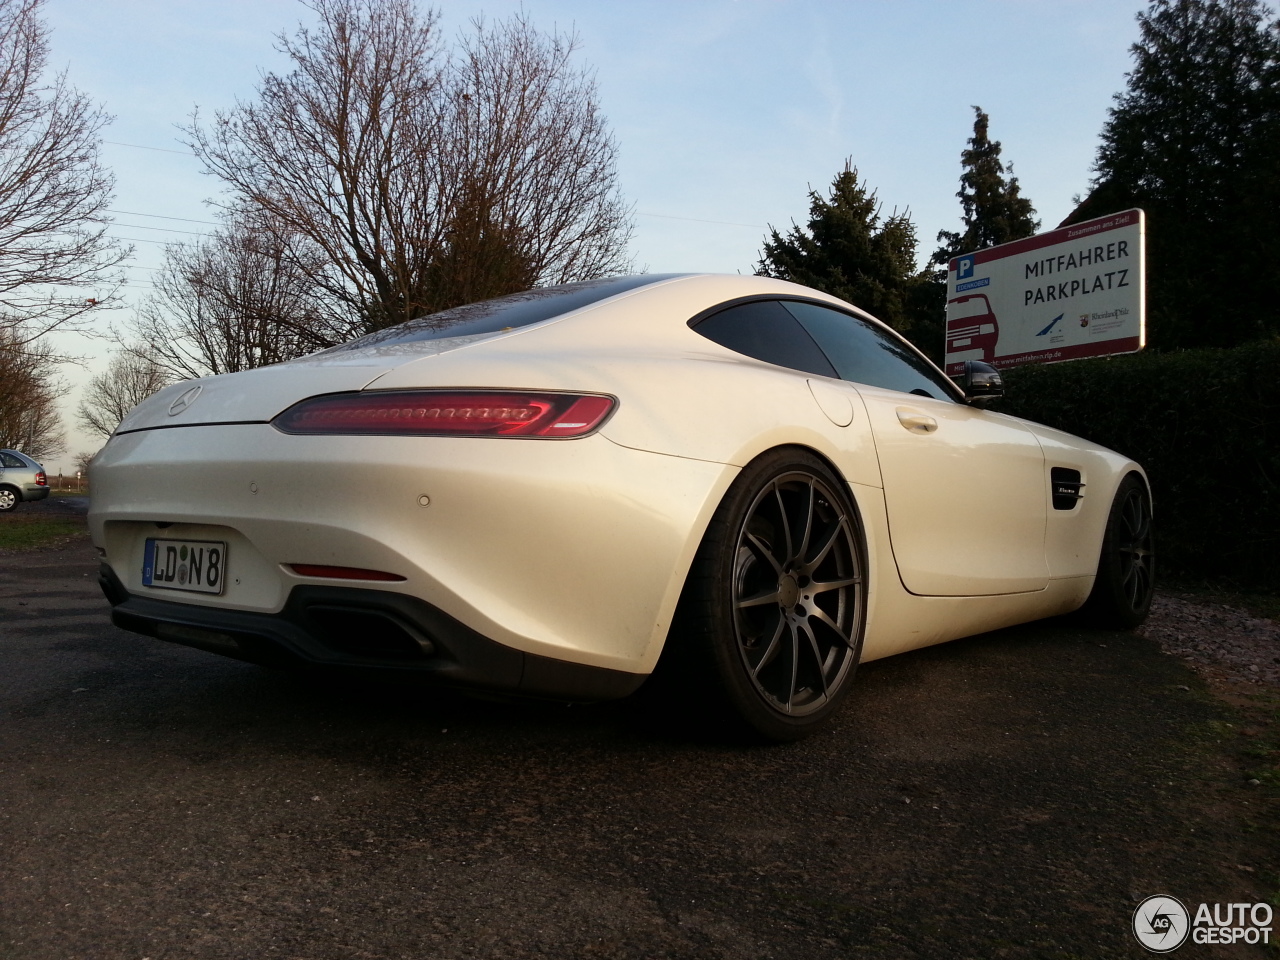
column 504, row 313
column 13, row 460
column 765, row 330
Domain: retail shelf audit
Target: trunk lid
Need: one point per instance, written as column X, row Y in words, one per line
column 256, row 396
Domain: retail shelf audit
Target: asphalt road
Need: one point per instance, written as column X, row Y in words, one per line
column 1011, row 795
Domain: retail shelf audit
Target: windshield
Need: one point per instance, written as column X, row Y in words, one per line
column 503, row 313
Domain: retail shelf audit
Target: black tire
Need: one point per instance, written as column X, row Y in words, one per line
column 9, row 498
column 755, row 644
column 1125, row 584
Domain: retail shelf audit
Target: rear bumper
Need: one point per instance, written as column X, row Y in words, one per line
column 565, row 550
column 33, row 491
column 373, row 633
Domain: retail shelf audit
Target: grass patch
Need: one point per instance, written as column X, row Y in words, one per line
column 26, row 533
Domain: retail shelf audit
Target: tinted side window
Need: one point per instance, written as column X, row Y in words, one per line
column 863, row 354
column 9, row 460
column 765, row 330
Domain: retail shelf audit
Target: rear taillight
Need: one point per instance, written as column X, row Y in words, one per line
column 452, row 413
column 41, row 479
column 341, row 573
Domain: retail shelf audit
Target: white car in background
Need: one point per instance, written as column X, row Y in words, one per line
column 547, row 493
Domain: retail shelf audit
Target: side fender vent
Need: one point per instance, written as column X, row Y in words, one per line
column 1066, row 487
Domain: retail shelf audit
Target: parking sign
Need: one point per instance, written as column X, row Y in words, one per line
column 1078, row 291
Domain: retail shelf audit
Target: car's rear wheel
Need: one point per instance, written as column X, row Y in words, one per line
column 771, row 621
column 1122, row 592
column 8, row 499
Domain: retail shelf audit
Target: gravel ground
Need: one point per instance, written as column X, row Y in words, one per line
column 1241, row 647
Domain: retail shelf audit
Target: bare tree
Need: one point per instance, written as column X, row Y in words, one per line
column 415, row 178
column 234, row 301
column 131, row 377
column 82, row 461
column 56, row 261
column 29, row 392
column 532, row 156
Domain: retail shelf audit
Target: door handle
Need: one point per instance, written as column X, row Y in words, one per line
column 917, row 422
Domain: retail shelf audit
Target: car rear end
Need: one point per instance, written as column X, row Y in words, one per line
column 490, row 537
column 22, row 479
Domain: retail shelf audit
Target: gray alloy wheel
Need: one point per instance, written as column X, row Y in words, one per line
column 8, row 499
column 1122, row 592
column 776, row 601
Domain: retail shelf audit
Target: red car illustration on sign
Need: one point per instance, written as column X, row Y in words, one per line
column 971, row 326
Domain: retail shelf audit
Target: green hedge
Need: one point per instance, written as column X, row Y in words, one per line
column 1206, row 426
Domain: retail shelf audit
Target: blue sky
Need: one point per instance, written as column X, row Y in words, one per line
column 725, row 111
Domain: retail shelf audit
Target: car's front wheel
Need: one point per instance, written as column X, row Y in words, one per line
column 1122, row 593
column 8, row 499
column 772, row 617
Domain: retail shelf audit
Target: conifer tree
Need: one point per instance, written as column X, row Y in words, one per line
column 1195, row 141
column 995, row 211
column 850, row 250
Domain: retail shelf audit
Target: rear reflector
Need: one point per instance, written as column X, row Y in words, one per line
column 453, row 413
column 341, row 573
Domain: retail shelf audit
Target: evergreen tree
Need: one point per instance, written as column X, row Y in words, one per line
column 851, row 251
column 994, row 209
column 1195, row 141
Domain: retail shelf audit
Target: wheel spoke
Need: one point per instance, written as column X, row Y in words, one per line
column 1131, row 520
column 827, row 542
column 808, row 523
column 786, row 524
column 822, row 586
column 817, row 657
column 761, row 550
column 795, row 666
column 761, row 599
column 771, row 650
column 1135, row 582
column 1144, row 528
column 822, row 616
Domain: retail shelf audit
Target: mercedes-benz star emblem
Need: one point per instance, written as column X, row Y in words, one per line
column 187, row 398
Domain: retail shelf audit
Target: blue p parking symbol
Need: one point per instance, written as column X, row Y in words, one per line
column 964, row 268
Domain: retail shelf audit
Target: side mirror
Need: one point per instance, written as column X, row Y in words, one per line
column 981, row 383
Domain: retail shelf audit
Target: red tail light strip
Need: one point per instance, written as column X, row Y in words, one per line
column 340, row 573
column 456, row 413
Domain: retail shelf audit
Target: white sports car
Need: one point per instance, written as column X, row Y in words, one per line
column 541, row 494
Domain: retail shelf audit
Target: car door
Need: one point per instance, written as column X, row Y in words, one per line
column 13, row 464
column 964, row 488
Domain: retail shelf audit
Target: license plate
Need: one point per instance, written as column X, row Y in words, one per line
column 198, row 566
